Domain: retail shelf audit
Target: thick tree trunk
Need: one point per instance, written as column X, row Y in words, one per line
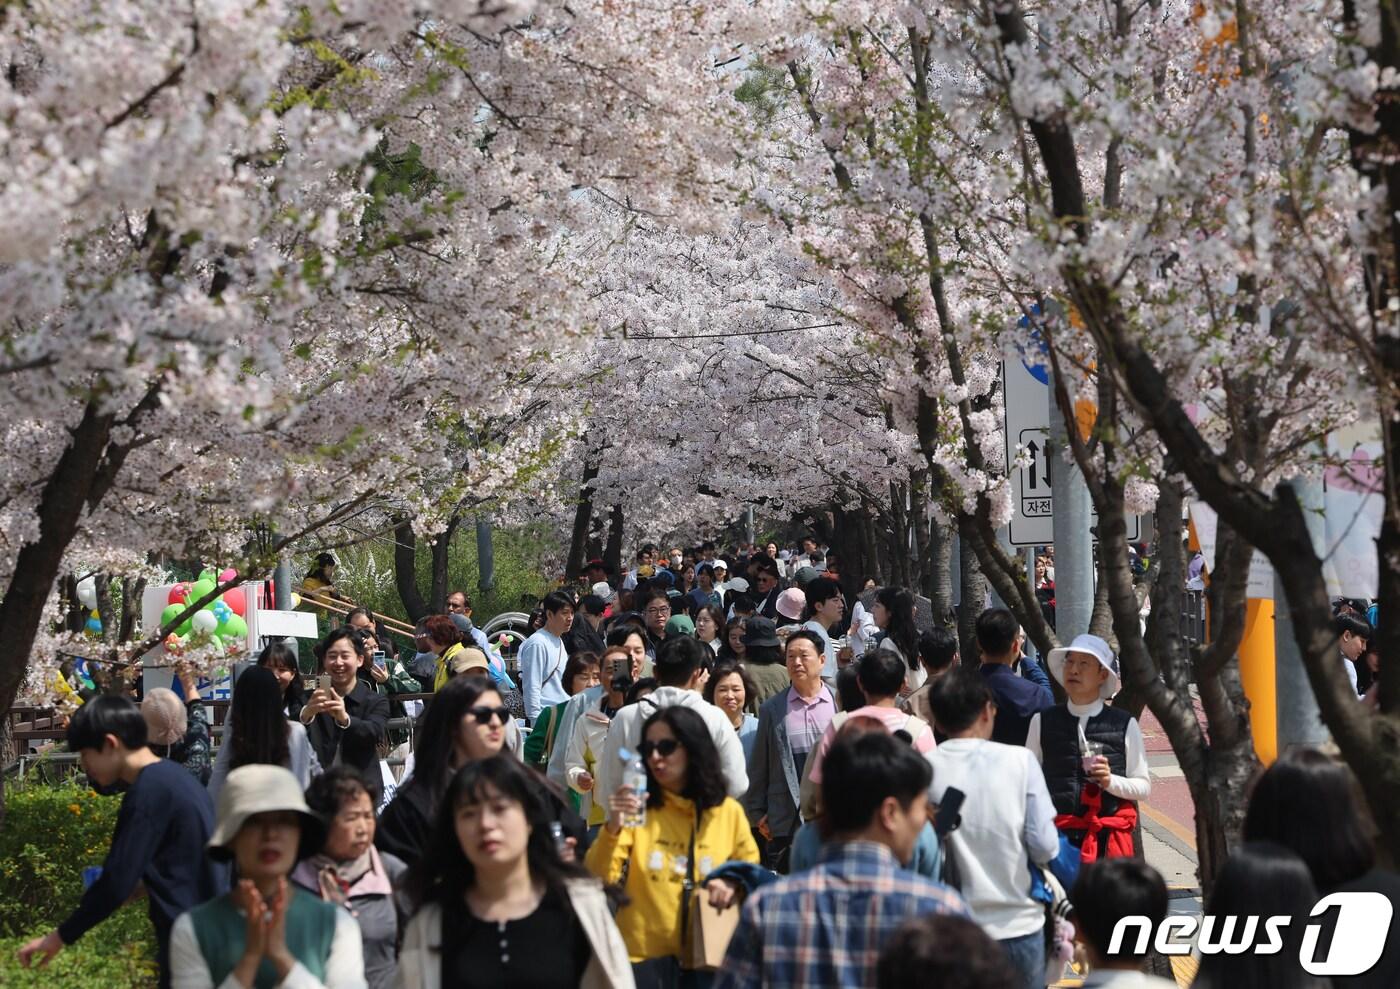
column 612, row 553
column 583, row 515
column 406, row 571
column 940, row 584
column 79, row 475
column 972, row 592
column 441, row 548
column 485, row 554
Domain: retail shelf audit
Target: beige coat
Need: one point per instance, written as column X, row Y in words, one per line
column 420, row 958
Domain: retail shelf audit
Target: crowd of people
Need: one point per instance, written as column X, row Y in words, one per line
column 707, row 775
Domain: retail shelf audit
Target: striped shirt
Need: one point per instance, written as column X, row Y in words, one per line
column 806, row 721
column 825, row 927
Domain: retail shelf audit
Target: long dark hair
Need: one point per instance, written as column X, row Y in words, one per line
column 1304, row 802
column 901, row 629
column 438, row 726
column 257, row 726
column 1261, row 879
column 444, row 871
column 704, row 779
column 280, row 656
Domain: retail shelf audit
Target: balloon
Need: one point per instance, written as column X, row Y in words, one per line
column 204, row 621
column 210, row 575
column 87, row 592
column 168, row 615
column 222, row 612
column 94, row 625
column 227, row 575
column 200, row 589
column 236, row 601
column 234, row 628
column 174, row 644
column 179, row 594
column 296, row 600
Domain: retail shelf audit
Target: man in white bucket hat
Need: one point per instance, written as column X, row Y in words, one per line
column 1093, row 755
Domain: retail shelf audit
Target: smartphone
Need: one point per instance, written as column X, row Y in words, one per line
column 378, row 657
column 949, row 814
column 323, row 682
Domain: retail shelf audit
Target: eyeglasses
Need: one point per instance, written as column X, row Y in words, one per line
column 483, row 715
column 663, row 748
column 658, row 612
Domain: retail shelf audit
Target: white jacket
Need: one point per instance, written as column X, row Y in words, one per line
column 626, row 733
column 420, row 958
column 587, row 741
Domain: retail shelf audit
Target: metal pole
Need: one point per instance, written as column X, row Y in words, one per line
column 749, row 534
column 282, row 584
column 1299, row 722
column 1074, row 550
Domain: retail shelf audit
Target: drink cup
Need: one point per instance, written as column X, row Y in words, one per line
column 1092, row 752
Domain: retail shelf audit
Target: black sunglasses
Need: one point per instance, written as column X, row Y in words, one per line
column 663, row 748
column 483, row 715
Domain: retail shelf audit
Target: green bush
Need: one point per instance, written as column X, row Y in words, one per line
column 51, row 833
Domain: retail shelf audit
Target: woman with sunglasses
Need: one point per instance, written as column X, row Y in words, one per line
column 496, row 905
column 465, row 721
column 691, row 829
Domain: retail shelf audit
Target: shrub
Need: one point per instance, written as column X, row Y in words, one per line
column 51, row 833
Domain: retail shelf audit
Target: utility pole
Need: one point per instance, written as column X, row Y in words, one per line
column 1074, row 549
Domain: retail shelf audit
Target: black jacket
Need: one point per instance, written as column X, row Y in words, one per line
column 583, row 637
column 362, row 704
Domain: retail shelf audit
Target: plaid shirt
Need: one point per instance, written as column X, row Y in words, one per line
column 825, row 927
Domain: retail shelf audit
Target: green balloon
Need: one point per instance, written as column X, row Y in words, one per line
column 210, row 575
column 234, row 628
column 169, row 613
column 200, row 588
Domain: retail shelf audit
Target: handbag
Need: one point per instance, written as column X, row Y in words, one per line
column 705, row 931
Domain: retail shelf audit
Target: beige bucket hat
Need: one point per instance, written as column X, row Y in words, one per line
column 259, row 789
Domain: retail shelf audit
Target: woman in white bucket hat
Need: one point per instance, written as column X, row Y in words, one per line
column 1093, row 755
column 267, row 932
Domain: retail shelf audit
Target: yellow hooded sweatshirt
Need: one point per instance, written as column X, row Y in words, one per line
column 658, row 852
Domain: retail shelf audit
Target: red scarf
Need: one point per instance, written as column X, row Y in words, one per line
column 1119, row 826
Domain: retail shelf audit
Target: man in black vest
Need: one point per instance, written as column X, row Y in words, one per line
column 1093, row 755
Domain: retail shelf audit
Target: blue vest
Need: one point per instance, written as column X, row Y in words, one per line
column 221, row 932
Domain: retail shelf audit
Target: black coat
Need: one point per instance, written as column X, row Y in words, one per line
column 362, row 704
column 583, row 637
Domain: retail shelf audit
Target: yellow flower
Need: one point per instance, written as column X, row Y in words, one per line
column 75, row 809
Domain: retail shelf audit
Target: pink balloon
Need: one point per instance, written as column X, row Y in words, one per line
column 179, row 594
column 236, row 600
column 227, row 575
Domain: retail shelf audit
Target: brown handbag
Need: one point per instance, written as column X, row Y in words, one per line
column 705, row 931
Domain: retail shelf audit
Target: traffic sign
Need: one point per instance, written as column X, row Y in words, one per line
column 1027, row 399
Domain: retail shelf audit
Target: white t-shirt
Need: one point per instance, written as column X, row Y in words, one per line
column 828, row 649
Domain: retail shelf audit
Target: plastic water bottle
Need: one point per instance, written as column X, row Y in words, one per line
column 634, row 775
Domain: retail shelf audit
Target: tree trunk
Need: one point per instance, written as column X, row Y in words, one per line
column 441, row 548
column 973, row 592
column 583, row 515
column 612, row 553
column 406, row 571
column 940, row 584
column 485, row 554
column 75, row 480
